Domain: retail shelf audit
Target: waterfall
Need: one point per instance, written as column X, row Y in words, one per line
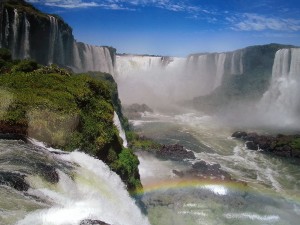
column 92, row 58
column 52, row 38
column 6, row 32
column 84, row 188
column 118, row 124
column 25, row 51
column 236, row 62
column 220, row 62
column 15, row 33
column 76, row 58
column 208, row 70
column 127, row 65
column 281, row 102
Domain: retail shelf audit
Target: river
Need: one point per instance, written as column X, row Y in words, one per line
column 271, row 196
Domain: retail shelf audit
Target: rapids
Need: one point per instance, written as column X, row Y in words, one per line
column 271, row 195
column 64, row 188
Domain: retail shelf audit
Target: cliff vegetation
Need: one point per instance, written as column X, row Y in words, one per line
column 66, row 111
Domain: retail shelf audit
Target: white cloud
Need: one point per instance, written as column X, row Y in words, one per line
column 255, row 22
column 171, row 5
column 66, row 3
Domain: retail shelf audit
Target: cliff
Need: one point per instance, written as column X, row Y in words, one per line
column 65, row 111
column 246, row 77
column 29, row 33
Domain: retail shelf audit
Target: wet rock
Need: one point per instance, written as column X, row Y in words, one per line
column 239, row 134
column 204, row 170
column 12, row 136
column 135, row 110
column 251, row 145
column 280, row 145
column 92, row 222
column 14, row 180
column 47, row 172
column 174, row 152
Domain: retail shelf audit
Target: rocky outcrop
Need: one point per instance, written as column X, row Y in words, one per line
column 174, row 152
column 14, row 180
column 135, row 111
column 204, row 170
column 92, row 222
column 280, row 145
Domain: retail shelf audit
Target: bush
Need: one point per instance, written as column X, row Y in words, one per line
column 5, row 54
column 25, row 66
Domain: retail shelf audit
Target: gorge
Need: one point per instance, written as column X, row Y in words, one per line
column 68, row 155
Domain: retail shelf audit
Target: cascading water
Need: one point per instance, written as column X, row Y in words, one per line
column 118, row 124
column 220, row 61
column 25, row 51
column 15, row 33
column 52, row 38
column 92, row 58
column 6, row 27
column 64, row 188
column 207, row 70
column 127, row 65
column 281, row 102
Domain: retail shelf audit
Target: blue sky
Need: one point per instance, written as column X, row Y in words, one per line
column 178, row 28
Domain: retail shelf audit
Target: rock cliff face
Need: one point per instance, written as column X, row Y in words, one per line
column 28, row 33
column 241, row 75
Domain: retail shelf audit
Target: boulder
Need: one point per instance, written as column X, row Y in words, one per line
column 204, row 170
column 239, row 134
column 14, row 180
column 92, row 222
column 280, row 145
column 174, row 152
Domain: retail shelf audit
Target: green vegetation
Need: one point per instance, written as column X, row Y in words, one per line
column 66, row 111
column 296, row 144
column 137, row 142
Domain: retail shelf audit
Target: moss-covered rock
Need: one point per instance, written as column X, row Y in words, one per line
column 66, row 111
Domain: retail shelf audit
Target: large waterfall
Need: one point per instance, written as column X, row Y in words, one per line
column 25, row 51
column 15, row 33
column 173, row 78
column 52, row 38
column 281, row 102
column 60, row 188
column 92, row 58
column 53, row 42
column 127, row 65
column 208, row 70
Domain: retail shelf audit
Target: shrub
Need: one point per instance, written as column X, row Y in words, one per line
column 25, row 66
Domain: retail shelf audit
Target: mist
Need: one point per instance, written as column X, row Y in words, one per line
column 168, row 83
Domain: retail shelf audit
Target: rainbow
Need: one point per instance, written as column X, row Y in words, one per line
column 191, row 184
column 229, row 186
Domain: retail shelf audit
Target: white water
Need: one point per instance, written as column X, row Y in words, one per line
column 15, row 33
column 144, row 79
column 207, row 70
column 52, row 38
column 128, row 65
column 6, row 27
column 281, row 103
column 94, row 192
column 118, row 124
column 216, row 203
column 92, row 58
column 25, row 51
